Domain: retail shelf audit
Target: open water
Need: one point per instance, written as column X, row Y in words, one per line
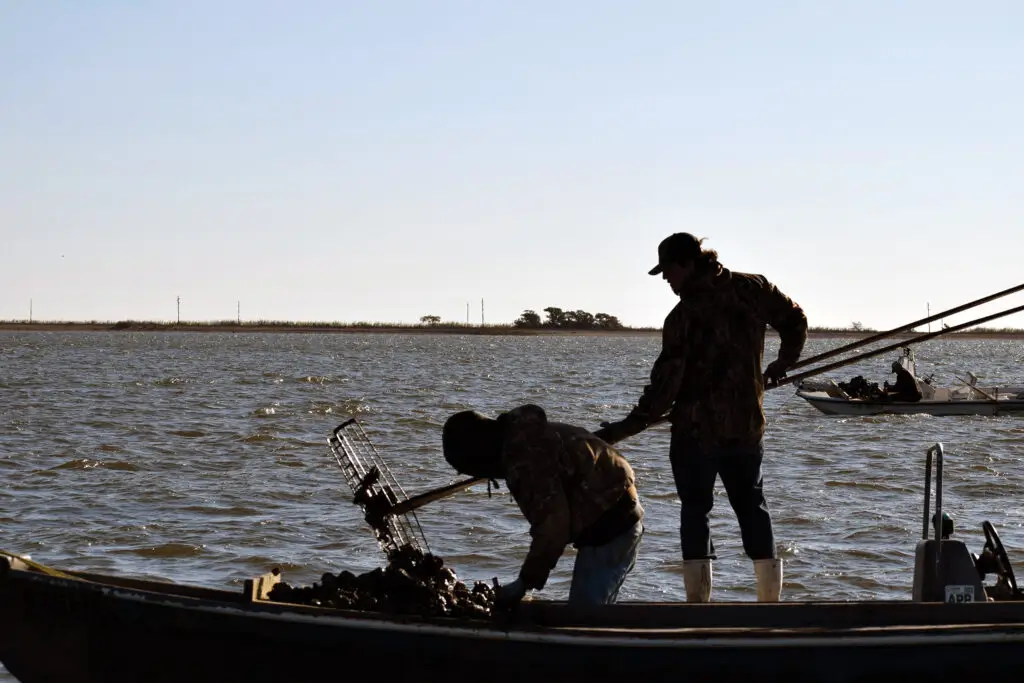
column 202, row 457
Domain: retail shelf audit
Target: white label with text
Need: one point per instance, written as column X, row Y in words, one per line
column 959, row 594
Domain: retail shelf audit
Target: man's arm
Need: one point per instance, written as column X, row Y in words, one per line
column 787, row 318
column 666, row 374
column 660, row 392
column 545, row 506
column 535, row 478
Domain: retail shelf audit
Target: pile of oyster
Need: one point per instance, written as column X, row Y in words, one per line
column 858, row 387
column 413, row 583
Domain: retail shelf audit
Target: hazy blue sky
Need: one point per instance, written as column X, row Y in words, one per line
column 385, row 160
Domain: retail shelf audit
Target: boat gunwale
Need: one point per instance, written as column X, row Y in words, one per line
column 860, row 407
column 637, row 620
column 823, row 397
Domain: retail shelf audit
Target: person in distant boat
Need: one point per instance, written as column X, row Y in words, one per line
column 571, row 486
column 708, row 380
column 905, row 389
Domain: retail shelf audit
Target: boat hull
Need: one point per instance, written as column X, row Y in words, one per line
column 59, row 629
column 841, row 406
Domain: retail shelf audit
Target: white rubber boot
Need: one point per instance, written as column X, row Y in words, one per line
column 769, row 580
column 697, row 580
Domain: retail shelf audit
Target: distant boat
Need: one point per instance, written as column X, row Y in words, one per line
column 969, row 398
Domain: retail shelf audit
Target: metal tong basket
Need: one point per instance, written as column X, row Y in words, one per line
column 375, row 489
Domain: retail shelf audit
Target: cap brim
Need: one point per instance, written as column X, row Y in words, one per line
column 655, row 270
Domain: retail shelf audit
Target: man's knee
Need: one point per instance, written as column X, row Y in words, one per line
column 695, row 497
column 749, row 503
column 752, row 512
column 695, row 508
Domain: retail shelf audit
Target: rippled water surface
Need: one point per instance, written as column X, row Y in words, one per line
column 202, row 457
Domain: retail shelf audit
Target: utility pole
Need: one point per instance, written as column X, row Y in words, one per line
column 179, row 310
column 481, row 312
column 467, row 312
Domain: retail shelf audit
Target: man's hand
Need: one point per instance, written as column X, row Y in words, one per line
column 613, row 432
column 775, row 371
column 509, row 595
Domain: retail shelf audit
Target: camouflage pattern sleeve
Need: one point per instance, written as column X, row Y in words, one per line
column 534, row 477
column 550, row 538
column 787, row 318
column 666, row 374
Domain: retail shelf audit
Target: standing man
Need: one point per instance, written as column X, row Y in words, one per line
column 708, row 379
column 571, row 486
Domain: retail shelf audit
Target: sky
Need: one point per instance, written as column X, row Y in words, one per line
column 382, row 161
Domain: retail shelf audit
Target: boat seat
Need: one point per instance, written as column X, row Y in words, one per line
column 927, row 390
column 957, row 578
column 835, row 391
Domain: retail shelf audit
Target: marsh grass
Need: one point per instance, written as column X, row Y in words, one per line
column 430, row 328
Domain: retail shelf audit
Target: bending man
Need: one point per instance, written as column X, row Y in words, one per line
column 571, row 486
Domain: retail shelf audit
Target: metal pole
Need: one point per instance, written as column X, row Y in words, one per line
column 904, row 328
column 927, row 490
column 481, row 312
column 938, row 513
column 179, row 310
column 929, row 304
column 795, row 379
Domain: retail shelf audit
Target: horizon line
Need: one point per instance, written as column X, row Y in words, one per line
column 449, row 325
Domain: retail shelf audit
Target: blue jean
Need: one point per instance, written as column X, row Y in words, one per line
column 695, row 470
column 600, row 570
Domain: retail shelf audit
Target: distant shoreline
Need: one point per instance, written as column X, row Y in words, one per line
column 494, row 330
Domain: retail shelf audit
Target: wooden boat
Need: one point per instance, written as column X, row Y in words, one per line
column 968, row 399
column 100, row 628
column 76, row 626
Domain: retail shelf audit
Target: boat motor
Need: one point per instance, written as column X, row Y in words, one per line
column 944, row 570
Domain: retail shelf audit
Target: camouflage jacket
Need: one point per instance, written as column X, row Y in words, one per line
column 709, row 372
column 563, row 478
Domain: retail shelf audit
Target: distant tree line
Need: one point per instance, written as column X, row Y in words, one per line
column 567, row 320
